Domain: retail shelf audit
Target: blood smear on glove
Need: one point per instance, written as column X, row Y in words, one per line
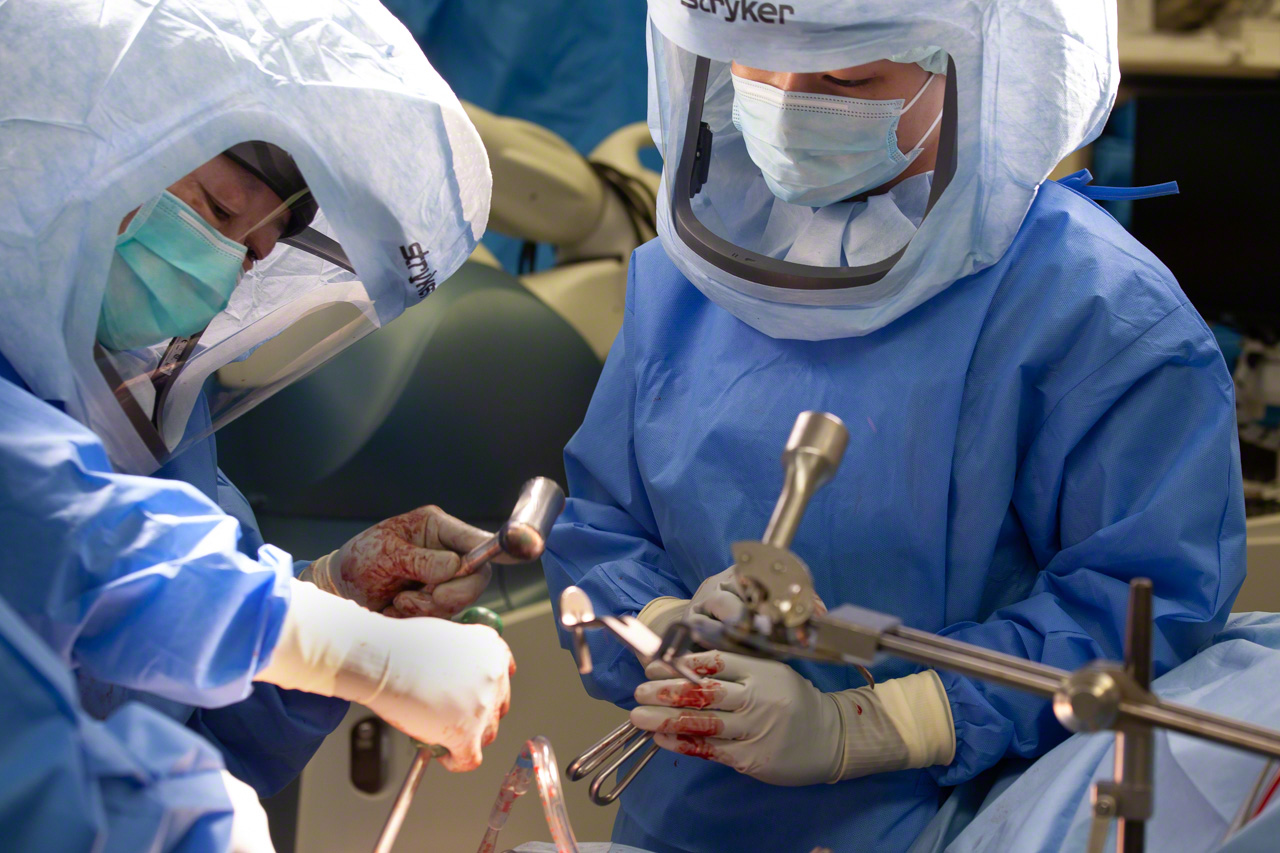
column 693, row 724
column 688, row 696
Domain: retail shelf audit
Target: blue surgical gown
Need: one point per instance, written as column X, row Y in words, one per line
column 1021, row 446
column 269, row 737
column 155, row 589
column 136, row 781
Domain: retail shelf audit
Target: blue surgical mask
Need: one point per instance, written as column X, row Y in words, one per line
column 817, row 150
column 170, row 275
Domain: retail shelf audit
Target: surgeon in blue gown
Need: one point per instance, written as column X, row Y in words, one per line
column 158, row 661
column 1036, row 413
column 268, row 738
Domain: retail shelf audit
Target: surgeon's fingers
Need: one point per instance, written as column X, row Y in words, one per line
column 678, row 693
column 698, row 747
column 389, row 556
column 725, row 666
column 460, row 593
column 464, row 758
column 413, row 603
column 446, row 600
column 681, row 721
column 442, row 530
column 725, row 606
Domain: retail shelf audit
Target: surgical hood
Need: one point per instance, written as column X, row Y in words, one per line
column 1028, row 82
column 106, row 104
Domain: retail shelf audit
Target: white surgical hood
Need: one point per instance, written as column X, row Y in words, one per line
column 1033, row 81
column 106, row 103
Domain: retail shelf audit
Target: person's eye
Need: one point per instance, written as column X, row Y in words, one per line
column 848, row 84
column 219, row 210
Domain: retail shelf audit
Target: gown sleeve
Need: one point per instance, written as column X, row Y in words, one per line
column 137, row 580
column 607, row 542
column 1134, row 473
column 137, row 781
column 267, row 739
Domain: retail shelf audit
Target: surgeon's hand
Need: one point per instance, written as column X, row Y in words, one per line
column 406, row 566
column 717, row 597
column 249, row 832
column 766, row 720
column 444, row 683
column 760, row 717
column 438, row 681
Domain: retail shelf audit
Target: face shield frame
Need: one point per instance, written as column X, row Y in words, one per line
column 691, row 172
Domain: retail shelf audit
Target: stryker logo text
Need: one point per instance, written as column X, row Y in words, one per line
column 421, row 275
column 743, row 10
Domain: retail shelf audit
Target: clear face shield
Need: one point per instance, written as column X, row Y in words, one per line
column 222, row 290
column 794, row 182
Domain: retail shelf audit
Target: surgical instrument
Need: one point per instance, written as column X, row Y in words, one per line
column 536, row 763
column 809, row 459
column 577, row 615
column 523, row 537
column 780, row 622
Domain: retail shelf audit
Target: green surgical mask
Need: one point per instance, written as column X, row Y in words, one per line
column 170, row 275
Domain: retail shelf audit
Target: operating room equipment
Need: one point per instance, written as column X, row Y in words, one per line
column 536, row 764
column 594, row 210
column 780, row 623
column 812, row 454
column 523, row 537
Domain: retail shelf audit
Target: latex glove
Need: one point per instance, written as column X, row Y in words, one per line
column 249, row 832
column 417, row 554
column 719, row 596
column 766, row 720
column 438, row 681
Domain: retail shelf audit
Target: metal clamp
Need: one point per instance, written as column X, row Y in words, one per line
column 775, row 582
column 577, row 615
column 624, row 735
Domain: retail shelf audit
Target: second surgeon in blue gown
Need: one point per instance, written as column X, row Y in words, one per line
column 268, row 738
column 1022, row 444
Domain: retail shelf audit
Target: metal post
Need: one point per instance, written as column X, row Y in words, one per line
column 1135, row 742
column 812, row 455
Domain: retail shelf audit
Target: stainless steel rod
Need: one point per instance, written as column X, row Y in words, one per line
column 933, row 640
column 957, row 657
column 404, row 799
column 1189, row 721
column 1044, row 681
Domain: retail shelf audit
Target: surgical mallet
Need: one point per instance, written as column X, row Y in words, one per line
column 523, row 537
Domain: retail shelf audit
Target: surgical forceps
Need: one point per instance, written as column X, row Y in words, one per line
column 577, row 615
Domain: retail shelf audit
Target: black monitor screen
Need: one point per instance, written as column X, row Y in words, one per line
column 1220, row 140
